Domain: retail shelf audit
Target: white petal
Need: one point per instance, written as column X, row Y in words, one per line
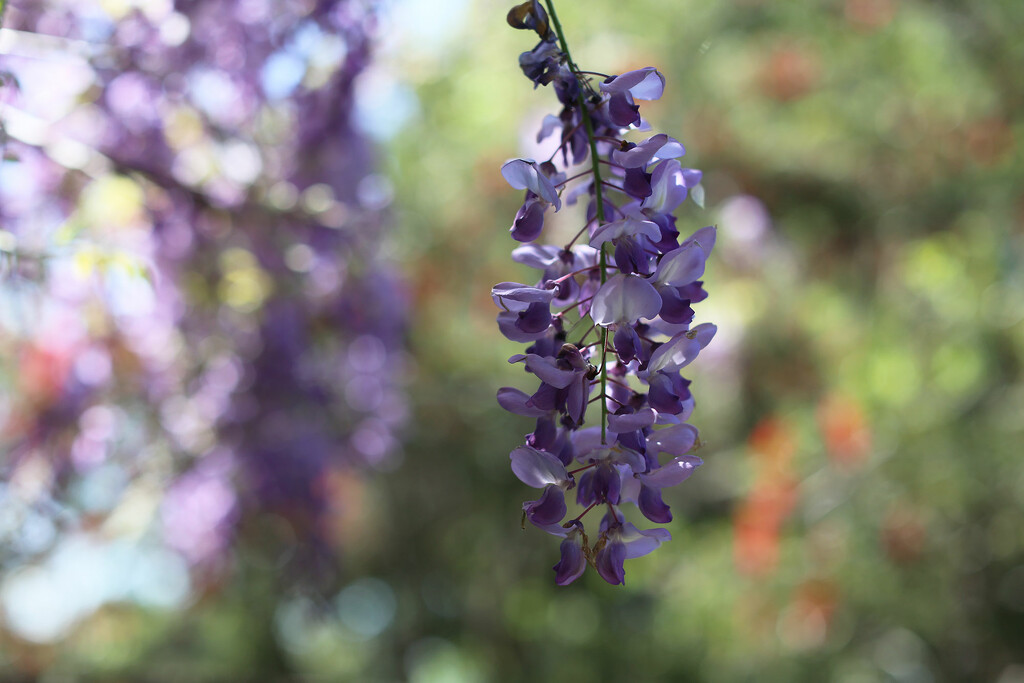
column 537, row 468
column 697, row 192
column 681, row 266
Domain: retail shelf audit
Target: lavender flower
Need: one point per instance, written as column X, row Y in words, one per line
column 270, row 357
column 632, row 286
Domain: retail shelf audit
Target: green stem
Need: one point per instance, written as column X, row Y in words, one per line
column 595, row 164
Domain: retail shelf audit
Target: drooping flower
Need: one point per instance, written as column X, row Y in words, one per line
column 624, row 307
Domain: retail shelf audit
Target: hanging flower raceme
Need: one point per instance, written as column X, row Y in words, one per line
column 609, row 321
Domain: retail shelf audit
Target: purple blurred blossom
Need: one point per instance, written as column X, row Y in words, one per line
column 276, row 328
column 633, row 288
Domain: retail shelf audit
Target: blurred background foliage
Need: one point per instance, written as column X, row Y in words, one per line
column 860, row 513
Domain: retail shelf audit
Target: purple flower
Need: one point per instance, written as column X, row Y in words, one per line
column 525, row 174
column 624, row 308
column 304, row 380
column 573, row 562
column 529, row 220
column 610, row 560
column 669, row 185
column 643, row 84
column 654, row 148
column 527, row 314
column 549, row 509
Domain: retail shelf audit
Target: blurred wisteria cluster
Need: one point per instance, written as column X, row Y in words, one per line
column 201, row 331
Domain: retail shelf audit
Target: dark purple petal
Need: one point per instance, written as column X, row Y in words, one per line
column 529, row 221
column 669, row 239
column 666, row 395
column 632, row 257
column 508, row 324
column 585, row 495
column 570, row 354
column 567, row 87
column 609, row 562
column 541, row 63
column 548, row 509
column 674, row 308
column 652, row 506
column 632, row 440
column 637, row 183
column 622, row 111
column 627, row 344
column 545, row 398
column 607, row 483
column 535, row 319
column 609, row 209
column 572, row 564
column 545, row 433
column 576, row 401
column 693, row 292
column 563, row 447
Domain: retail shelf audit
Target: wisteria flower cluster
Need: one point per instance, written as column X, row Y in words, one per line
column 260, row 367
column 611, row 312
